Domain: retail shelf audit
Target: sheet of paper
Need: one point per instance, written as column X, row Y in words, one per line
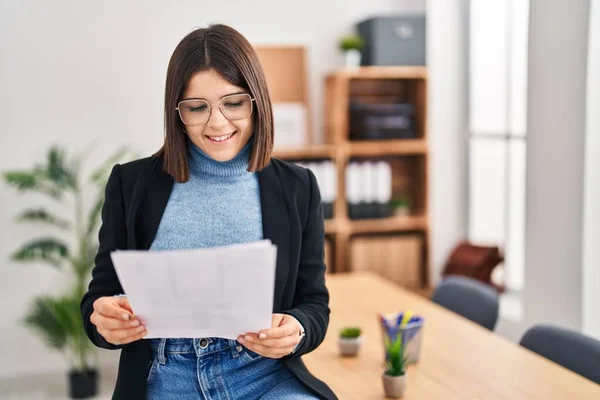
column 216, row 292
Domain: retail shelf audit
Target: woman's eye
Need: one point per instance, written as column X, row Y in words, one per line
column 198, row 108
column 234, row 105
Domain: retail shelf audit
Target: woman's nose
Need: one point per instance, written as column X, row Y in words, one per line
column 217, row 119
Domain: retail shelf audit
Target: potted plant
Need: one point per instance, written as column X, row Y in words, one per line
column 351, row 46
column 394, row 378
column 400, row 206
column 350, row 341
column 58, row 318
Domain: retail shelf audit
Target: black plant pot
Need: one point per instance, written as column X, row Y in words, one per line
column 83, row 384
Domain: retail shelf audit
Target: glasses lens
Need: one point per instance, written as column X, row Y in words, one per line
column 194, row 112
column 236, row 106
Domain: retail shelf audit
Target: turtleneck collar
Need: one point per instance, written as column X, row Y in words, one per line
column 202, row 164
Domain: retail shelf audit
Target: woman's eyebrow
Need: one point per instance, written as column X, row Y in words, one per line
column 239, row 92
column 228, row 94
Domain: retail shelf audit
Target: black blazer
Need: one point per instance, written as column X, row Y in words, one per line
column 136, row 197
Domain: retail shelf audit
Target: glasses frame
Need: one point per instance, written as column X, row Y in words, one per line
column 210, row 108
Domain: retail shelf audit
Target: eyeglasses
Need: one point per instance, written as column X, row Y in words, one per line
column 198, row 111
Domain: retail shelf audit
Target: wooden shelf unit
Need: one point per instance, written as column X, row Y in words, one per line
column 407, row 157
column 389, row 148
column 306, row 153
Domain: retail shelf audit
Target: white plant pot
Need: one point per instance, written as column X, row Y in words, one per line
column 394, row 386
column 350, row 347
column 352, row 58
column 402, row 211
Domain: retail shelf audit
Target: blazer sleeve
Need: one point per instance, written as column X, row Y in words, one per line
column 311, row 299
column 112, row 235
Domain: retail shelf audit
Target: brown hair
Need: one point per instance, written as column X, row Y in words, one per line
column 225, row 50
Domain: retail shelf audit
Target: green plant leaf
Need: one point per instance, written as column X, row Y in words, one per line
column 49, row 250
column 31, row 181
column 23, row 180
column 351, row 42
column 85, row 260
column 350, row 332
column 100, row 175
column 51, row 179
column 41, row 215
column 396, row 361
column 42, row 318
column 58, row 171
column 400, row 202
column 58, row 319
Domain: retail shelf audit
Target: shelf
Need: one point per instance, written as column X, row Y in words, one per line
column 376, row 148
column 309, row 152
column 391, row 224
column 375, row 72
column 330, row 226
column 407, row 158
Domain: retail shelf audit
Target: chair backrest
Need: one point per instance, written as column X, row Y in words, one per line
column 572, row 350
column 470, row 298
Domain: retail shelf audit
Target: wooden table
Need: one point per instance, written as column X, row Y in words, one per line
column 458, row 359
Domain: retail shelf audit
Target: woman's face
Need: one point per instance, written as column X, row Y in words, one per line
column 220, row 138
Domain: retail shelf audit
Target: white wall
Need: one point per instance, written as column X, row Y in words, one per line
column 447, row 51
column 555, row 161
column 591, row 212
column 73, row 72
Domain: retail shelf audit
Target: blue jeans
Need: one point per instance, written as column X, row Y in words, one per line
column 216, row 369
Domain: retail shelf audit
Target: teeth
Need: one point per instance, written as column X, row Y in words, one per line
column 221, row 138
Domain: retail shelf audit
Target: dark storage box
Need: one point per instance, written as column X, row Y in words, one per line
column 381, row 121
column 394, row 40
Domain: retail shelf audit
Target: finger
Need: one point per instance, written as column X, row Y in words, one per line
column 111, row 308
column 280, row 332
column 108, row 323
column 127, row 340
column 267, row 351
column 289, row 341
column 124, row 335
column 123, row 302
column 134, row 338
column 276, row 320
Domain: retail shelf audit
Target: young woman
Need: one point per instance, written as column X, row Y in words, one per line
column 214, row 183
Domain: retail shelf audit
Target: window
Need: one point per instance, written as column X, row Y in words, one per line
column 498, row 130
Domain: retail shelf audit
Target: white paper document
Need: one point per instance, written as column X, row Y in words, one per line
column 215, row 292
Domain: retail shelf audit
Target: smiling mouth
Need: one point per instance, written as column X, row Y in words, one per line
column 222, row 138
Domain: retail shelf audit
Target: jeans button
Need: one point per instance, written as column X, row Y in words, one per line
column 203, row 343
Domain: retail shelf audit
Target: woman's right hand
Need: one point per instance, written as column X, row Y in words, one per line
column 115, row 321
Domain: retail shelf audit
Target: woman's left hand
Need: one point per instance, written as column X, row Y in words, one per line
column 277, row 342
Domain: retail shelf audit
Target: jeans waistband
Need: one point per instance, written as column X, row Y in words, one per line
column 200, row 347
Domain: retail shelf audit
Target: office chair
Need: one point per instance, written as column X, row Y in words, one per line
column 470, row 298
column 572, row 350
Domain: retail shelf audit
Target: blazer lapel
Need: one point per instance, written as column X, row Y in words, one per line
column 149, row 201
column 276, row 226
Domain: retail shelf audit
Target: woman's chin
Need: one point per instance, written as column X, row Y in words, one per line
column 222, row 155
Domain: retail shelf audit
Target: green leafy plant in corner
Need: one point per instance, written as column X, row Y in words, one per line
column 399, row 203
column 58, row 319
column 350, row 333
column 351, row 42
column 396, row 361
